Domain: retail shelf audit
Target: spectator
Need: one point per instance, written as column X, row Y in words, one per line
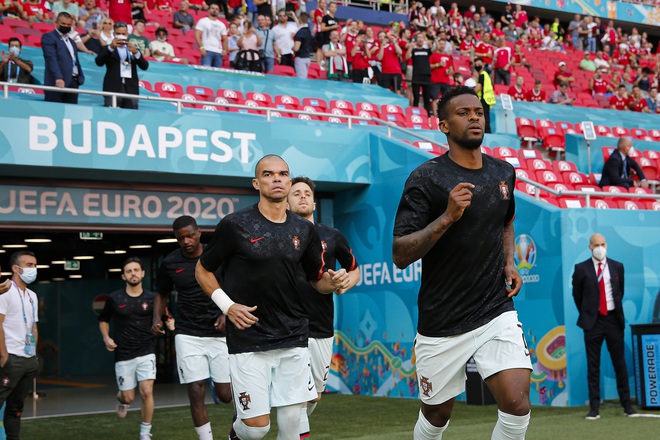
column 161, row 50
column 441, row 70
column 138, row 39
column 62, row 66
column 601, row 63
column 610, row 38
column 183, row 19
column 388, row 55
column 620, row 167
column 121, row 59
column 592, row 33
column 497, row 31
column 248, row 57
column 12, row 9
column 328, row 24
column 348, row 39
column 563, row 75
column 518, row 57
column 637, row 102
column 106, row 34
column 303, row 47
column 89, row 14
column 137, row 10
column 121, row 11
column 485, row 51
column 484, row 89
column 560, row 96
column 652, row 101
column 586, row 64
column 373, row 44
column 437, row 9
column 486, row 19
column 263, row 8
column 35, row 11
column 620, row 100
column 419, row 54
column 320, row 12
column 573, row 30
column 503, row 56
column 511, row 33
column 211, row 37
column 599, row 85
column 444, row 43
column 517, row 91
column 91, row 43
column 335, row 54
column 13, row 68
column 520, row 17
column 624, row 57
column 643, row 80
column 550, row 42
column 467, row 46
column 232, row 43
column 283, row 33
column 536, row 94
column 361, row 56
column 268, row 46
column 507, row 16
column 66, row 6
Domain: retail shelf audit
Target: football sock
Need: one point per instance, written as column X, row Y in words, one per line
column 304, row 424
column 145, row 428
column 288, row 422
column 510, row 427
column 204, row 432
column 424, row 430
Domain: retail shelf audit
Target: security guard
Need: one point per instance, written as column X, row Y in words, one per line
column 485, row 90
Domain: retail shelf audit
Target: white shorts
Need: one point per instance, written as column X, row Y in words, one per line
column 199, row 358
column 267, row 379
column 320, row 356
column 496, row 346
column 135, row 370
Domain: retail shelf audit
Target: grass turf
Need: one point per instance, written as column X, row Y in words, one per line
column 357, row 417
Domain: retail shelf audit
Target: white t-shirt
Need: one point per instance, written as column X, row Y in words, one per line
column 470, row 82
column 212, row 33
column 14, row 326
column 284, row 36
column 164, row 47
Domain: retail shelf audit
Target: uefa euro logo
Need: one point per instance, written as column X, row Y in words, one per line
column 525, row 253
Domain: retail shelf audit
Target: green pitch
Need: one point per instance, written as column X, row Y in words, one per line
column 357, row 417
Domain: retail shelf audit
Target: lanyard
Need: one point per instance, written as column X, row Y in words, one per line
column 34, row 317
column 18, row 70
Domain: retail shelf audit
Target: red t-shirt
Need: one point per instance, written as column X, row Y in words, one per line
column 374, row 46
column 390, row 62
column 517, row 94
column 498, row 33
column 521, row 19
column 502, row 57
column 535, row 42
column 441, row 74
column 349, row 42
column 360, row 61
column 317, row 23
column 637, row 106
column 623, row 59
column 532, row 96
column 556, row 81
column 485, row 51
column 619, row 103
column 121, row 10
column 403, row 44
column 466, row 45
column 32, row 9
column 600, row 86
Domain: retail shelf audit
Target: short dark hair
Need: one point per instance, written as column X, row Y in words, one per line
column 453, row 93
column 15, row 39
column 563, row 84
column 130, row 260
column 537, row 82
column 306, row 180
column 120, row 24
column 183, row 222
column 622, row 86
column 63, row 15
column 16, row 256
column 162, row 29
column 139, row 20
column 304, row 17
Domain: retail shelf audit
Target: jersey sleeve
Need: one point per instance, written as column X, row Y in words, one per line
column 312, row 260
column 344, row 253
column 4, row 303
column 414, row 208
column 165, row 283
column 511, row 212
column 219, row 248
column 108, row 310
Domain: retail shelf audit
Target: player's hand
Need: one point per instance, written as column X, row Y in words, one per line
column 460, row 199
column 171, row 324
column 110, row 344
column 59, row 83
column 340, row 279
column 157, row 328
column 3, row 359
column 5, row 286
column 513, row 281
column 241, row 316
column 220, row 323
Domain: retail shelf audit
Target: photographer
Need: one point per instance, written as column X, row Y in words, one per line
column 121, row 59
column 361, row 55
column 389, row 55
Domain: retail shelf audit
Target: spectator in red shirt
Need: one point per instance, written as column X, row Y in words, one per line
column 503, row 57
column 467, row 46
column 563, row 75
column 536, row 94
column 441, row 70
column 534, row 40
column 389, row 55
column 121, row 10
column 485, row 51
column 637, row 103
column 620, row 99
column 623, row 57
column 520, row 17
column 361, row 54
column 349, row 39
column 498, row 32
column 519, row 57
column 35, row 11
column 610, row 38
column 599, row 85
column 517, row 91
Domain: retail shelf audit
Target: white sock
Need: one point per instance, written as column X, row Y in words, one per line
column 245, row 432
column 204, row 432
column 304, row 422
column 510, row 427
column 145, row 428
column 311, row 406
column 424, row 430
column 288, row 422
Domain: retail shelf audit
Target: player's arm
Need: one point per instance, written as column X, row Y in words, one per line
column 104, row 327
column 511, row 275
column 4, row 354
column 165, row 287
column 407, row 249
column 347, row 261
column 353, row 279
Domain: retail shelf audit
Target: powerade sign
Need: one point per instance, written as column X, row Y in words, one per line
column 34, row 205
column 650, row 351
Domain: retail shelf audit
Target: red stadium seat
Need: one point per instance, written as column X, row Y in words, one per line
column 560, row 186
column 367, row 114
column 615, row 190
column 339, row 103
column 603, row 204
column 635, row 154
column 649, row 167
column 620, row 131
column 367, row 106
column 522, row 173
column 259, row 96
column 234, row 96
column 316, row 102
column 287, row 100
column 603, row 130
column 168, row 89
column 607, row 152
column 527, row 154
column 547, row 176
column 586, row 187
column 638, row 133
column 278, row 69
column 418, row 122
column 566, row 127
column 526, row 131
column 146, row 85
column 391, row 109
column 416, row 111
column 630, row 204
column 639, row 190
column 559, row 166
column 651, row 154
column 552, row 139
column 655, row 135
column 203, row 93
column 544, row 123
column 529, row 189
column 341, row 112
column 308, row 117
column 575, row 177
column 653, row 205
column 538, row 164
column 502, row 152
column 566, row 202
column 515, row 162
column 486, row 150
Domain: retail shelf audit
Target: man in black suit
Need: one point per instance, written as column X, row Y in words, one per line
column 62, row 66
column 121, row 59
column 619, row 167
column 598, row 293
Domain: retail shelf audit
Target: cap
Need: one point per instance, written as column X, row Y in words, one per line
column 562, row 64
column 587, row 52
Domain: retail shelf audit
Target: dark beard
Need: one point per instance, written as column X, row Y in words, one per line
column 470, row 143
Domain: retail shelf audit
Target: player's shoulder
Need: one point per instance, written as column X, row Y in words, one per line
column 116, row 295
column 172, row 257
column 249, row 213
column 327, row 232
column 149, row 294
column 500, row 165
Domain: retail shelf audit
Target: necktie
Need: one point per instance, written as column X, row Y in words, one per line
column 601, row 287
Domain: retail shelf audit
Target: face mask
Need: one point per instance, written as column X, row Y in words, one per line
column 162, row 40
column 599, row 252
column 29, row 274
column 473, row 9
column 15, row 50
column 478, row 68
column 631, row 151
column 64, row 29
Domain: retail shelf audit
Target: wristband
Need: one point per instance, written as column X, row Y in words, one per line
column 221, row 299
column 201, row 47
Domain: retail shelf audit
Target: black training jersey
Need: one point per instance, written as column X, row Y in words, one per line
column 320, row 307
column 259, row 261
column 463, row 284
column 133, row 317
column 420, row 61
column 196, row 312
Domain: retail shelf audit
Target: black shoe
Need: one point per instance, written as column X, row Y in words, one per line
column 593, row 414
column 630, row 412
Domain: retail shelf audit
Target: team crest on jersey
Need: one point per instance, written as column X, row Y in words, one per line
column 5, row 381
column 324, row 245
column 145, row 306
column 296, row 242
column 245, row 400
column 120, row 379
column 426, row 385
column 504, row 189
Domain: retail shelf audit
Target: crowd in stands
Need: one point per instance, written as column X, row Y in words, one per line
column 436, row 50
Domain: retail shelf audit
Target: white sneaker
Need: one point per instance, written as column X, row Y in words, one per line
column 122, row 410
column 145, row 436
